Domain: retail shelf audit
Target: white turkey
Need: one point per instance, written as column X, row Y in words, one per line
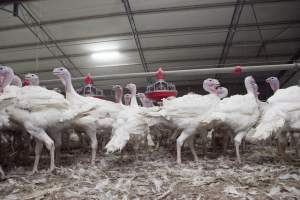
column 197, row 106
column 102, row 117
column 222, row 92
column 32, row 79
column 129, row 125
column 127, row 99
column 239, row 112
column 55, row 132
column 221, row 134
column 35, row 109
column 186, row 112
column 281, row 116
column 118, row 93
column 133, row 100
column 147, row 103
column 16, row 81
column 2, row 173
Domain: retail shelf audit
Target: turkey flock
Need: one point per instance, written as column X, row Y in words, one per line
column 36, row 113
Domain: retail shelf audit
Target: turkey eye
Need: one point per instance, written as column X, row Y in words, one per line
column 60, row 69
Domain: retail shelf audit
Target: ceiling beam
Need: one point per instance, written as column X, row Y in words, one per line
column 231, row 30
column 159, row 48
column 41, row 33
column 8, row 2
column 126, row 36
column 263, row 44
column 283, row 73
column 145, row 11
column 136, row 36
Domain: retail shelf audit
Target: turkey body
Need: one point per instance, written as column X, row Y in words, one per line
column 239, row 112
column 282, row 115
column 129, row 126
column 36, row 109
column 102, row 116
column 186, row 113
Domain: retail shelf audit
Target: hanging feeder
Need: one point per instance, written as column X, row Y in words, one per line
column 89, row 90
column 237, row 70
column 160, row 89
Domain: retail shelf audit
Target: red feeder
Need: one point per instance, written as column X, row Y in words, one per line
column 160, row 89
column 237, row 70
column 89, row 90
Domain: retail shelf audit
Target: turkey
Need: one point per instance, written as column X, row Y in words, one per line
column 16, row 81
column 147, row 103
column 2, row 173
column 35, row 109
column 32, row 79
column 118, row 93
column 183, row 114
column 239, row 112
column 102, row 117
column 186, row 112
column 221, row 134
column 281, row 116
column 130, row 125
column 54, row 132
column 222, row 92
column 127, row 99
column 133, row 101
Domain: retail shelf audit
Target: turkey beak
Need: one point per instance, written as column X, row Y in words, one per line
column 217, row 85
column 56, row 72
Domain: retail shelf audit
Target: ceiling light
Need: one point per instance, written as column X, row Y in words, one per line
column 102, row 47
column 109, row 55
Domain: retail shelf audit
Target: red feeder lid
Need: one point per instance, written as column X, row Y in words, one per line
column 88, row 79
column 160, row 74
column 237, row 70
column 159, row 95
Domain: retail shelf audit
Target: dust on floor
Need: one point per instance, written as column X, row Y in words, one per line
column 157, row 176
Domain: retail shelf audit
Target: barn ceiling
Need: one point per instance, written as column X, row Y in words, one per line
column 174, row 34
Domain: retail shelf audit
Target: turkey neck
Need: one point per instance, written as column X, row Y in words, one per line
column 133, row 102
column 118, row 95
column 70, row 91
column 7, row 79
column 252, row 89
column 275, row 86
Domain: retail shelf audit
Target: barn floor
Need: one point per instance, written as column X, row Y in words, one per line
column 157, row 176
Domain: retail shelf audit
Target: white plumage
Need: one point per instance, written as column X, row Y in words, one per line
column 129, row 123
column 104, row 112
column 35, row 109
column 187, row 111
column 283, row 111
column 239, row 112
